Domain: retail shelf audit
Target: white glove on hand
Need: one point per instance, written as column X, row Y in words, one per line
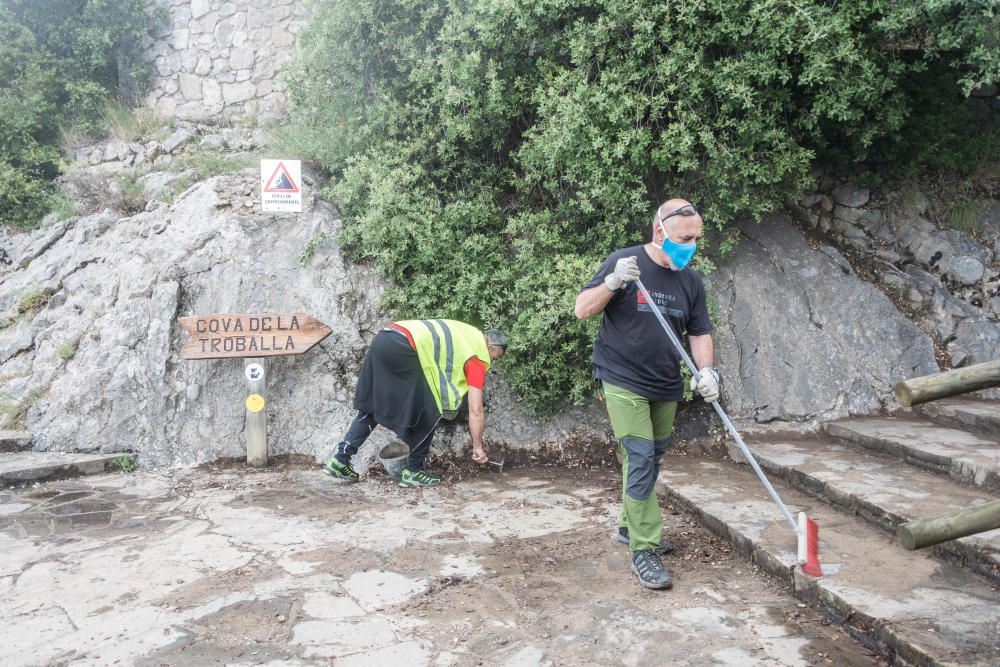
column 626, row 270
column 708, row 386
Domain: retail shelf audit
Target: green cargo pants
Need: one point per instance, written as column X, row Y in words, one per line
column 642, row 428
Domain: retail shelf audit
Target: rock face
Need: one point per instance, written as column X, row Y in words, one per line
column 805, row 337
column 948, row 281
column 89, row 338
column 94, row 363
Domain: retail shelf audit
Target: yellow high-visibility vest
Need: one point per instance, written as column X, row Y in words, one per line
column 443, row 347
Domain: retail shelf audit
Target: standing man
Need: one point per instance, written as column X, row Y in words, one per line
column 640, row 370
column 415, row 373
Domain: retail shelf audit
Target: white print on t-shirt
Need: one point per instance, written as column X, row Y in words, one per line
column 660, row 298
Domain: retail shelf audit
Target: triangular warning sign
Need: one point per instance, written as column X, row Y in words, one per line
column 281, row 181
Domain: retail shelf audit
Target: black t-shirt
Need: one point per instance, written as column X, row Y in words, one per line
column 632, row 350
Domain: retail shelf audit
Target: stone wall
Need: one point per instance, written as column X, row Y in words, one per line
column 220, row 59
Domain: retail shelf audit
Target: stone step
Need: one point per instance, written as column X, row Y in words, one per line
column 978, row 416
column 14, row 441
column 21, row 468
column 966, row 457
column 908, row 605
column 882, row 491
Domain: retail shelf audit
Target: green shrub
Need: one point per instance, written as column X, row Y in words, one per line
column 127, row 193
column 61, row 206
column 24, row 200
column 203, row 162
column 487, row 156
column 966, row 215
column 127, row 124
column 93, row 190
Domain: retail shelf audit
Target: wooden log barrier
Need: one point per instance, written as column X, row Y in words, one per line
column 949, row 383
column 921, row 533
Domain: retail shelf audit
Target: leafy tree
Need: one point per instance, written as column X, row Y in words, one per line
column 59, row 61
column 488, row 154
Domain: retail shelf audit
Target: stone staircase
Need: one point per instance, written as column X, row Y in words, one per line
column 20, row 466
column 859, row 480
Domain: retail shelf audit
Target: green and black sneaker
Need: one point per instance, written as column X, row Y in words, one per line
column 335, row 468
column 418, row 478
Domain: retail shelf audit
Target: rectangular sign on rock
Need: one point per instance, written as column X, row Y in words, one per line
column 223, row 336
column 281, row 186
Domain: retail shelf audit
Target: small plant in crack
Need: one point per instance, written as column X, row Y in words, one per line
column 67, row 351
column 124, row 463
column 34, row 300
column 309, row 249
column 14, row 412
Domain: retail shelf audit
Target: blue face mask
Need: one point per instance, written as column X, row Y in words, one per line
column 679, row 253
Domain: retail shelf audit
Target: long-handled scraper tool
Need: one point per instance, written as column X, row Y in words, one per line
column 806, row 530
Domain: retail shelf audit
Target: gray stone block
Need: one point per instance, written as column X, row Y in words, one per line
column 847, row 194
column 191, row 86
column 237, row 92
column 176, row 140
column 964, row 270
column 200, row 7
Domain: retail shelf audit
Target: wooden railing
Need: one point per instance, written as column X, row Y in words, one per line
column 949, row 383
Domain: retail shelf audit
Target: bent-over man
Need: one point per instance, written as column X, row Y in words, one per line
column 415, row 373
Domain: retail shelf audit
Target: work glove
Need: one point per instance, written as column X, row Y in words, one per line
column 708, row 385
column 626, row 269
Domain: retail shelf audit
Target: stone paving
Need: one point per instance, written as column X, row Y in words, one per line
column 966, row 457
column 912, row 605
column 930, row 607
column 886, row 492
column 287, row 567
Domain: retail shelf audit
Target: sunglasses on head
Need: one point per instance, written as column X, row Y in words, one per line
column 686, row 211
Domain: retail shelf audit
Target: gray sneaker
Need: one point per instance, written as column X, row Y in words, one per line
column 647, row 566
column 666, row 546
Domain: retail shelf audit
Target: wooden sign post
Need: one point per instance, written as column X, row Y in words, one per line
column 252, row 337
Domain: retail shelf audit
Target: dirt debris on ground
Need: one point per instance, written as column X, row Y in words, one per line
column 285, row 566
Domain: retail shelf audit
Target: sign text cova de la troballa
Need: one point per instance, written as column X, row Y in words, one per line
column 225, row 335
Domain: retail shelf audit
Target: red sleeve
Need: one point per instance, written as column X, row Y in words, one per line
column 475, row 372
column 404, row 331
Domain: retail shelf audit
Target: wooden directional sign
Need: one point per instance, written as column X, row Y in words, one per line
column 267, row 335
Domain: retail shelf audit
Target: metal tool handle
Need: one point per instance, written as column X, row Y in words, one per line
column 718, row 409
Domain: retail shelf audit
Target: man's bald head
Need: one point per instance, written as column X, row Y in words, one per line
column 670, row 207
